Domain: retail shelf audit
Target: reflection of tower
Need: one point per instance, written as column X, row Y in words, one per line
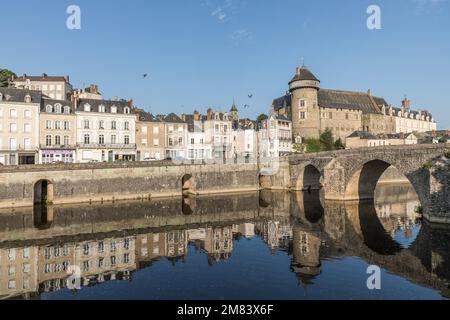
column 306, row 261
column 218, row 243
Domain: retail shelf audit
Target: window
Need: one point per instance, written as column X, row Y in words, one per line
column 66, row 140
column 27, row 143
column 330, row 115
column 155, row 130
column 27, row 114
column 101, row 108
column 126, row 110
column 192, row 141
column 86, row 249
column 87, row 108
column 87, row 139
column 58, row 125
column 48, row 141
column 180, row 140
column 302, row 115
column 113, row 109
column 66, row 125
column 156, row 142
column 13, row 113
column 302, row 103
column 113, row 139
column 144, row 141
column 12, row 254
column 26, row 253
column 66, row 109
column 113, row 125
column 101, row 125
column 101, row 247
column 58, row 140
column 144, row 129
column 13, row 127
column 57, row 108
column 127, row 139
column 86, row 124
column 170, row 142
column 48, row 124
column 27, row 128
column 101, row 139
column 127, row 125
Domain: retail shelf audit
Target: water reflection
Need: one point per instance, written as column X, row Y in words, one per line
column 117, row 243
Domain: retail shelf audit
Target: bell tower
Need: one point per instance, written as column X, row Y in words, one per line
column 304, row 89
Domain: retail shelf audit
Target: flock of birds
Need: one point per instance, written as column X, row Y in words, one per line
column 246, row 106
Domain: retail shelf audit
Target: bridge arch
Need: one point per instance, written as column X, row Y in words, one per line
column 309, row 178
column 43, row 192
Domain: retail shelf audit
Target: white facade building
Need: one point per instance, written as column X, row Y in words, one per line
column 275, row 137
column 106, row 131
column 19, row 126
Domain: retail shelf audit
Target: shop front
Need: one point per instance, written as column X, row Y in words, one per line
column 57, row 156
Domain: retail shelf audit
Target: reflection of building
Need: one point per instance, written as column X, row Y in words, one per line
column 18, row 271
column 306, row 257
column 219, row 243
column 247, row 230
column 276, row 234
column 149, row 247
column 176, row 245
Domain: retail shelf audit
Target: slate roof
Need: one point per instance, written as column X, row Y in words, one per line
column 18, row 95
column 41, row 78
column 173, row 118
column 63, row 103
column 146, row 116
column 362, row 135
column 95, row 104
column 304, row 74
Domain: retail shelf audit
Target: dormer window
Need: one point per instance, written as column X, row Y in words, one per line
column 27, row 98
column 113, row 109
column 101, row 109
column 67, row 109
column 87, row 107
column 49, row 109
column 57, row 108
column 1, row 96
column 126, row 110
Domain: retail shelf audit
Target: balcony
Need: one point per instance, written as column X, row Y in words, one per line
column 106, row 146
column 58, row 147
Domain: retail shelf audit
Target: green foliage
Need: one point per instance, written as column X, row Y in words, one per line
column 326, row 141
column 298, row 147
column 262, row 117
column 442, row 140
column 419, row 210
column 427, row 166
column 313, row 145
column 339, row 145
column 447, row 155
column 5, row 76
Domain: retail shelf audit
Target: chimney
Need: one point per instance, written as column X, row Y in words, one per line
column 183, row 117
column 369, row 92
column 67, row 79
column 44, row 75
column 297, row 72
column 209, row 114
column 406, row 104
column 196, row 115
column 131, row 103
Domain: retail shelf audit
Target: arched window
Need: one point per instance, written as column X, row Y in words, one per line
column 57, row 108
column 48, row 109
column 27, row 98
column 126, row 110
column 101, row 108
column 67, row 109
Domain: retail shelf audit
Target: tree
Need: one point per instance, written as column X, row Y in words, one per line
column 5, row 76
column 262, row 117
column 326, row 140
column 339, row 145
column 313, row 145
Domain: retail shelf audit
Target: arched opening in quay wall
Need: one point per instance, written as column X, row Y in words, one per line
column 43, row 192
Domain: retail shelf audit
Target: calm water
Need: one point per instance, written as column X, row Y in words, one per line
column 255, row 246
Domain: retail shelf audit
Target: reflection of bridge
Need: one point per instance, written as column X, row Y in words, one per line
column 336, row 229
column 354, row 174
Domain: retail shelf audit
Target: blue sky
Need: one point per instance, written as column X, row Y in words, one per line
column 201, row 53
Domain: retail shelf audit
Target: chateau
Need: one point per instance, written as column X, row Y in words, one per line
column 313, row 110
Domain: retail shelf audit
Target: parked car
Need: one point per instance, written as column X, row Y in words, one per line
column 150, row 159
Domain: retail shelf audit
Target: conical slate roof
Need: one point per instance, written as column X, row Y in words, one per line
column 303, row 73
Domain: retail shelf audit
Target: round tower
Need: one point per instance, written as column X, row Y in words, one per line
column 304, row 89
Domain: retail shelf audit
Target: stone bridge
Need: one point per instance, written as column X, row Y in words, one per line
column 354, row 174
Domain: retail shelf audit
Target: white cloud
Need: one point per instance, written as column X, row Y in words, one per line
column 240, row 34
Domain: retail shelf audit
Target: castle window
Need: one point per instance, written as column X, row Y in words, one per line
column 302, row 115
column 302, row 103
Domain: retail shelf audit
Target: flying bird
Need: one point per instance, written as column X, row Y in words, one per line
column 250, row 96
column 145, row 75
column 246, row 106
